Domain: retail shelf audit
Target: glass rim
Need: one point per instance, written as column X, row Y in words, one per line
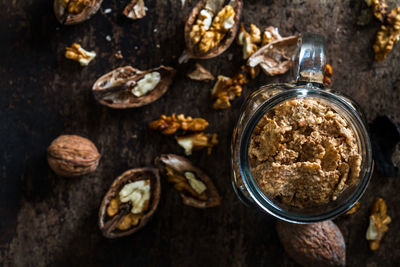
column 244, row 165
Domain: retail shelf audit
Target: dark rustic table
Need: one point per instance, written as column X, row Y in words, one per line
column 46, row 220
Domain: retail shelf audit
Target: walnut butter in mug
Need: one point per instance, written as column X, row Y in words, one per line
column 303, row 153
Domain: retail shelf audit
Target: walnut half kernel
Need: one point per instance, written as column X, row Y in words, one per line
column 130, row 202
column 135, row 9
column 211, row 28
column 194, row 186
column 77, row 53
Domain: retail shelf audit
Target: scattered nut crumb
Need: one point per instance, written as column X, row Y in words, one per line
column 119, row 55
column 354, row 209
column 77, row 53
column 170, row 124
column 378, row 222
column 201, row 74
column 108, row 38
column 107, row 10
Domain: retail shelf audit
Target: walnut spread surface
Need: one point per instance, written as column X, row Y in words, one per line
column 303, row 153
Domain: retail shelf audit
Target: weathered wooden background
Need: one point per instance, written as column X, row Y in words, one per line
column 46, row 220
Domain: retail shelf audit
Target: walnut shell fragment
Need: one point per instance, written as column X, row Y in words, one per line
column 201, row 74
column 195, row 187
column 275, row 57
column 135, row 9
column 213, row 7
column 127, row 87
column 72, row 155
column 318, row 244
column 119, row 217
column 69, row 12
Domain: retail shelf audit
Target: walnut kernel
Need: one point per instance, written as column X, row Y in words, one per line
column 170, row 124
column 378, row 224
column 197, row 141
column 77, row 53
column 388, row 35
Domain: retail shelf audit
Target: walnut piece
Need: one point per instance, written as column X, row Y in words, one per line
column 77, row 53
column 269, row 35
column 328, row 73
column 219, row 27
column 146, row 84
column 74, row 6
column 249, row 40
column 354, row 209
column 202, row 24
column 197, row 141
column 170, row 124
column 138, row 194
column 187, row 183
column 379, row 8
column 226, row 89
column 135, row 9
column 377, row 224
column 201, row 74
column 388, row 35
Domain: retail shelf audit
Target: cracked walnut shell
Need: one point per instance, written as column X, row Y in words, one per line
column 130, row 202
column 221, row 33
column 195, row 187
column 72, row 155
column 127, row 87
column 70, row 12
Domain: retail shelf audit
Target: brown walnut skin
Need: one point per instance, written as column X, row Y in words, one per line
column 70, row 19
column 181, row 165
column 223, row 45
column 318, row 244
column 108, row 226
column 72, row 155
column 167, row 74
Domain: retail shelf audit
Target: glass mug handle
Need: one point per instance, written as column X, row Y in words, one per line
column 310, row 60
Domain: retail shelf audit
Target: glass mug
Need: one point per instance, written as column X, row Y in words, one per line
column 309, row 63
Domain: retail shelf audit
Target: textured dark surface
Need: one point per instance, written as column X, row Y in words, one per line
column 46, row 220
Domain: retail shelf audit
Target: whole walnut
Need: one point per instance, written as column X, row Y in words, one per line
column 317, row 244
column 72, row 155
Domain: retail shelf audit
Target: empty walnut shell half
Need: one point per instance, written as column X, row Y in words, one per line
column 208, row 195
column 72, row 155
column 70, row 12
column 225, row 43
column 112, row 226
column 123, row 88
column 317, row 244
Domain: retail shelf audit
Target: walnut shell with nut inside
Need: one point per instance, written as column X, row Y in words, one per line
column 69, row 12
column 130, row 202
column 127, row 87
column 318, row 244
column 72, row 155
column 195, row 187
column 215, row 6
